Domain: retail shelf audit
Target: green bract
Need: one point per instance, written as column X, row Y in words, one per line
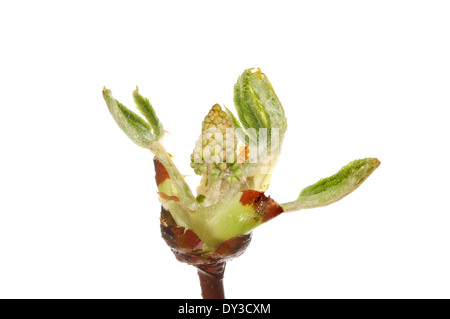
column 235, row 157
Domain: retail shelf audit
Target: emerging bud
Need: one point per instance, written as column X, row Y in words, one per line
column 235, row 159
column 214, row 156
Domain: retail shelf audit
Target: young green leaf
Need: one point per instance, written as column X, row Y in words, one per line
column 331, row 189
column 145, row 107
column 256, row 102
column 139, row 131
column 236, row 123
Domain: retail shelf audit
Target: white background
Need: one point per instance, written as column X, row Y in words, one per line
column 79, row 215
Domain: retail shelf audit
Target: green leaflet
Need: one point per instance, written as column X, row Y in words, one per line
column 331, row 189
column 145, row 107
column 262, row 116
column 238, row 104
column 258, row 106
column 148, row 135
column 254, row 110
column 139, row 131
column 256, row 102
column 269, row 99
column 233, row 118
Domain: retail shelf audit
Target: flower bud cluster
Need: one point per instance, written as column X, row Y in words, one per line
column 215, row 152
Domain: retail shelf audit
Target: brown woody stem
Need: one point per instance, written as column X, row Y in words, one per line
column 211, row 280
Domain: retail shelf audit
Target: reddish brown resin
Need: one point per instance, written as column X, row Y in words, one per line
column 161, row 172
column 164, row 196
column 264, row 206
